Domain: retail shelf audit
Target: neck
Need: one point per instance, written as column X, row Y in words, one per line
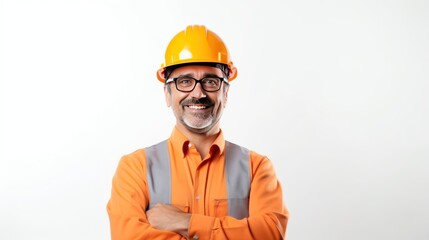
column 201, row 140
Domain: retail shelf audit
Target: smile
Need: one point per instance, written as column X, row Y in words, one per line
column 197, row 107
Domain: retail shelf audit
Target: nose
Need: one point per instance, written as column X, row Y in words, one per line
column 198, row 91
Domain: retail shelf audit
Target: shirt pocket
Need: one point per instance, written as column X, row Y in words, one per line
column 239, row 207
column 220, row 207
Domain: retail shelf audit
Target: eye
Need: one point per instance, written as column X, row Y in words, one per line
column 185, row 81
column 211, row 81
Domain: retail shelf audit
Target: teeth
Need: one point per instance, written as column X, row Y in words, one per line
column 197, row 107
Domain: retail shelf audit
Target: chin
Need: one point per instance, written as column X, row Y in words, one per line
column 198, row 128
column 202, row 129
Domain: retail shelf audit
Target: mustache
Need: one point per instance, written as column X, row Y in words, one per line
column 202, row 101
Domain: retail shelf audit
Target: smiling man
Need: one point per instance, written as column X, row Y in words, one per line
column 195, row 184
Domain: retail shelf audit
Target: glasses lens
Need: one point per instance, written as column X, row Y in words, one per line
column 211, row 84
column 185, row 83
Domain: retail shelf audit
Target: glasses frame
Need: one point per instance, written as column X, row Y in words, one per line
column 196, row 82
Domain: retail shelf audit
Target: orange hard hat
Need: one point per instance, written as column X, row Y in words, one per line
column 196, row 44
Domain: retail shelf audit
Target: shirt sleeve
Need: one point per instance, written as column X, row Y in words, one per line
column 268, row 215
column 129, row 200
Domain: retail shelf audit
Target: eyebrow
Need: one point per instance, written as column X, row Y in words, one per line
column 204, row 76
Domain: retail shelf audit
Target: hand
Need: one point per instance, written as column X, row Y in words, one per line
column 169, row 218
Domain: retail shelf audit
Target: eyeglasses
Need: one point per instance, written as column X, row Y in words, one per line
column 187, row 84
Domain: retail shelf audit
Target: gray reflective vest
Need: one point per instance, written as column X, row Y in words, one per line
column 237, row 177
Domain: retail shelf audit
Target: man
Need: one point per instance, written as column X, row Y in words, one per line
column 196, row 185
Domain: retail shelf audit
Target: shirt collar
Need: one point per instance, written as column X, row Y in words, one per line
column 181, row 143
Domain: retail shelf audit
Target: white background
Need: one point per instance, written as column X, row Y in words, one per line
column 335, row 93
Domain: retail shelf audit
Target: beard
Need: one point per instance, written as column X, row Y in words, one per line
column 198, row 121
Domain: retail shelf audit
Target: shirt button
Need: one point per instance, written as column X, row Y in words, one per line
column 195, row 237
column 198, row 198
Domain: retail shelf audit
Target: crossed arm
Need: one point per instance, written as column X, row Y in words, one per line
column 168, row 218
column 129, row 219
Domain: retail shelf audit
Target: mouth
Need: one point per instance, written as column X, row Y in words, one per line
column 197, row 107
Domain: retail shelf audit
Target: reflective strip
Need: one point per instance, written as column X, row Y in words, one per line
column 237, row 177
column 158, row 173
column 237, row 180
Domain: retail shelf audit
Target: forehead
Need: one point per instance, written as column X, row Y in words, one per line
column 196, row 70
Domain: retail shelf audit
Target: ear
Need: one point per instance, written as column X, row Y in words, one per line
column 232, row 73
column 160, row 75
column 167, row 94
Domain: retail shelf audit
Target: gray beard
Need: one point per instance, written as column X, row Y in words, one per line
column 204, row 120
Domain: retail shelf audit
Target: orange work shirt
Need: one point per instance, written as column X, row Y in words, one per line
column 198, row 186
